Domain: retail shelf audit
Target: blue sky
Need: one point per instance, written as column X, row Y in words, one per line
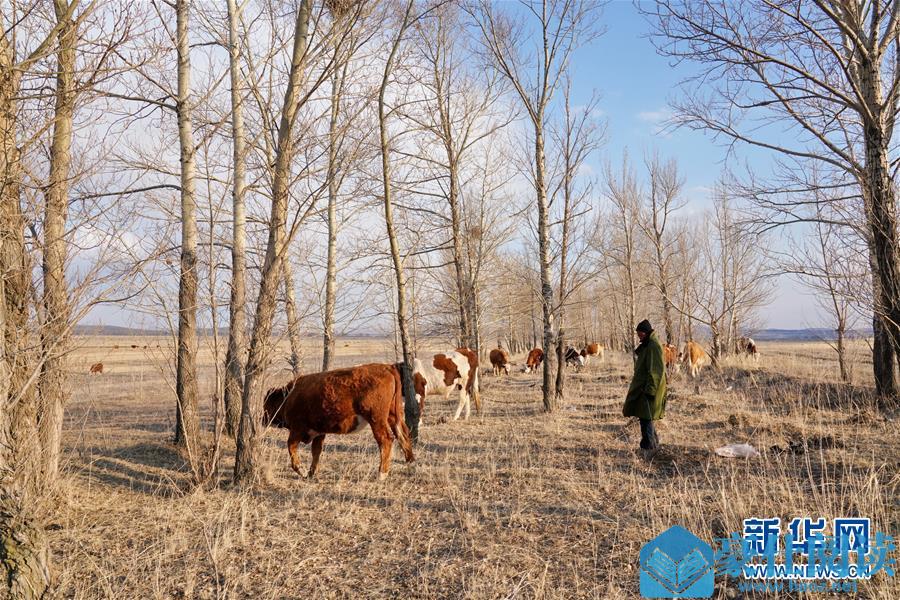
column 635, row 85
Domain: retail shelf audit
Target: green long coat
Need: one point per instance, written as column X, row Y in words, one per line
column 647, row 394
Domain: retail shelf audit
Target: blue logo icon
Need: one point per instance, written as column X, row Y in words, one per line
column 677, row 564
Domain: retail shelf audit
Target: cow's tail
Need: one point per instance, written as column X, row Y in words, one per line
column 401, row 431
column 475, row 392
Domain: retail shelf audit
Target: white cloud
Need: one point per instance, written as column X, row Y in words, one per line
column 655, row 116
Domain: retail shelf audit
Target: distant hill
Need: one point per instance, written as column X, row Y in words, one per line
column 115, row 330
column 762, row 335
column 805, row 335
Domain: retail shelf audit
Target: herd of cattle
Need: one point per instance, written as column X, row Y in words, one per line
column 346, row 400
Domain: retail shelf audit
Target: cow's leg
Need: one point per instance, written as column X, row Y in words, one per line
column 317, row 444
column 463, row 402
column 385, row 440
column 294, row 441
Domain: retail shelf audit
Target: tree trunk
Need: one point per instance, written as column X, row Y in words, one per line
column 563, row 265
column 411, row 406
column 544, row 252
column 52, row 386
column 331, row 266
column 666, row 304
column 842, row 354
column 234, row 357
column 245, row 470
column 24, row 556
column 293, row 324
column 883, row 358
column 880, row 208
column 187, row 425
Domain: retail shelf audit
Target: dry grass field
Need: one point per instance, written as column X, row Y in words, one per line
column 512, row 503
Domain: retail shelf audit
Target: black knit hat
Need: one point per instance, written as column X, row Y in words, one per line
column 645, row 326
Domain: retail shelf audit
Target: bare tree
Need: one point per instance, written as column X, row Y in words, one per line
column 30, row 432
column 734, row 276
column 293, row 320
column 830, row 264
column 54, row 334
column 343, row 54
column 276, row 248
column 412, row 407
column 829, row 72
column 459, row 112
column 234, row 375
column 580, row 136
column 560, row 27
column 622, row 247
column 663, row 199
column 187, row 419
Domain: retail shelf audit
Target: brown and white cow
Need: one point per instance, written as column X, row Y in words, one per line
column 671, row 358
column 574, row 357
column 593, row 351
column 499, row 360
column 695, row 358
column 748, row 347
column 533, row 360
column 473, row 384
column 341, row 401
column 444, row 373
column 97, row 368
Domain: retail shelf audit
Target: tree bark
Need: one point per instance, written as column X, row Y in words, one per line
column 187, row 424
column 331, row 264
column 245, row 471
column 544, row 253
column 879, row 200
column 234, row 357
column 24, row 556
column 53, row 386
column 293, row 324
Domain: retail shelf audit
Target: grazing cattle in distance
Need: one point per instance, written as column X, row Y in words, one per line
column 534, row 360
column 473, row 384
column 748, row 347
column 592, row 350
column 671, row 357
column 96, row 368
column 499, row 360
column 573, row 357
column 695, row 357
column 443, row 374
column 341, row 401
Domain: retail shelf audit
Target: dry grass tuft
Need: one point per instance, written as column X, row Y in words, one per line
column 513, row 503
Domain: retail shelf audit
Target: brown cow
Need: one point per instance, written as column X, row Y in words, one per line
column 533, row 360
column 499, row 360
column 341, row 401
column 670, row 357
column 695, row 357
column 472, row 383
column 97, row 368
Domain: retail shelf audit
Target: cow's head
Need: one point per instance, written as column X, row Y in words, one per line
column 273, row 407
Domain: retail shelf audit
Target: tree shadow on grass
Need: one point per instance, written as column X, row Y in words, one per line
column 156, row 469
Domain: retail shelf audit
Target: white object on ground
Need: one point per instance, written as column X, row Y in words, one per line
column 737, row 451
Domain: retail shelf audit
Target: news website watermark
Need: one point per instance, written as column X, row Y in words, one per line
column 803, row 555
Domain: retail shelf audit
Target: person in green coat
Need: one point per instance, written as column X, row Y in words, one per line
column 646, row 397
